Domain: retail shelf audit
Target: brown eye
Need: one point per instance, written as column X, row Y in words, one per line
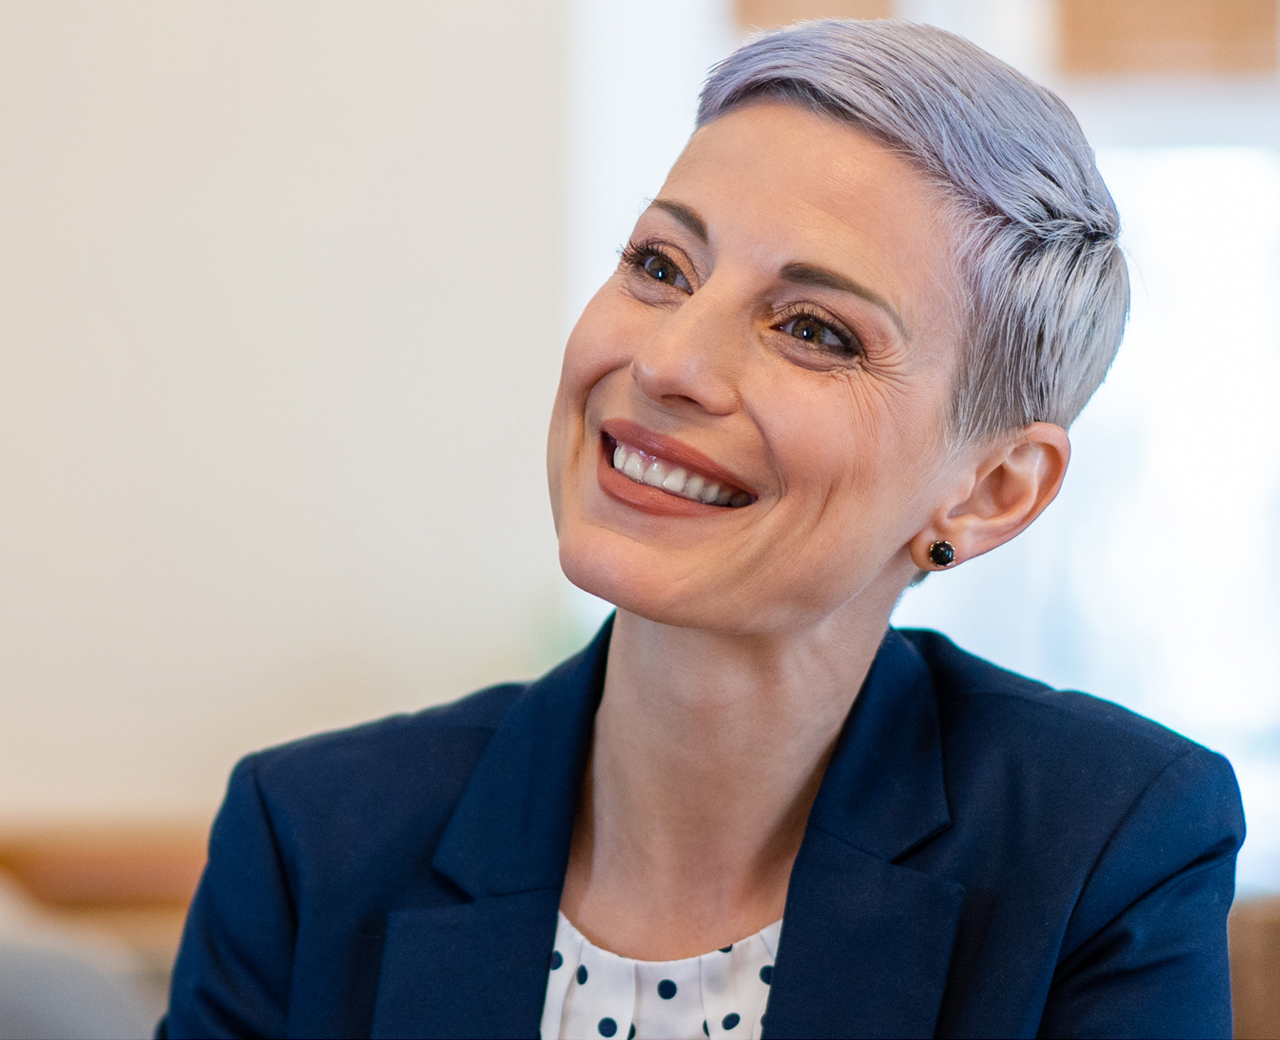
column 811, row 330
column 660, row 269
column 655, row 264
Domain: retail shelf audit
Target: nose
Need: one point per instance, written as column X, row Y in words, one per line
column 691, row 361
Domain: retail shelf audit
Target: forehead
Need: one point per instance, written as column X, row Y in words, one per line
column 786, row 184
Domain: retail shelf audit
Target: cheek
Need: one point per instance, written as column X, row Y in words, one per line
column 593, row 351
column 598, row 344
column 858, row 457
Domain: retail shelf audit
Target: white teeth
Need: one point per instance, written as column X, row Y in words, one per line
column 645, row 469
column 675, row 480
column 655, row 474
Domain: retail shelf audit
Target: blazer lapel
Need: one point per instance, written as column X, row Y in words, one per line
column 479, row 968
column 866, row 943
column 472, row 970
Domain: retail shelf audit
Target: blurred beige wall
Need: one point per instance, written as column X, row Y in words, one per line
column 281, row 307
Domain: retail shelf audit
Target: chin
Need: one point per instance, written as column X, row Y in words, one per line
column 596, row 563
column 616, row 574
column 644, row 581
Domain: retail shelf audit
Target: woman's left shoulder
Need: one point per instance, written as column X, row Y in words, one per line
column 1097, row 849
column 1074, row 751
column 971, row 687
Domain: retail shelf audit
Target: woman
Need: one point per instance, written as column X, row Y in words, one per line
column 841, row 350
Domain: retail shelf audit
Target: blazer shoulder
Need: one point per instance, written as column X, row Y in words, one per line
column 401, row 733
column 1073, row 791
column 403, row 765
column 968, row 685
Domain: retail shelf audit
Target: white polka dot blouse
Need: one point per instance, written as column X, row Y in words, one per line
column 593, row 993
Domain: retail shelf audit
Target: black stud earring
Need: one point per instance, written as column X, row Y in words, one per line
column 942, row 554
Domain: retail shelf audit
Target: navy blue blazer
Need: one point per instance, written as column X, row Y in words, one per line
column 986, row 857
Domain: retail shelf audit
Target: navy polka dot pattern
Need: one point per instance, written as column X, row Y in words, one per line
column 724, row 992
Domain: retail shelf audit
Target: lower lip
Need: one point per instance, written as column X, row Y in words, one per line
column 646, row 498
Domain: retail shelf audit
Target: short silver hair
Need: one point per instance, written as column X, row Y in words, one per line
column 1047, row 286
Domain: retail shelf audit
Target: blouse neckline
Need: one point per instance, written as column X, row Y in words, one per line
column 593, row 992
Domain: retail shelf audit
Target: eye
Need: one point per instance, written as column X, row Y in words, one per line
column 808, row 328
column 656, row 265
column 660, row 269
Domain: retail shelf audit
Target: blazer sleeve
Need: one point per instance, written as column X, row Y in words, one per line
column 234, row 965
column 1145, row 952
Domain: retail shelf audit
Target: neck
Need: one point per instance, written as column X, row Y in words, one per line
column 707, row 754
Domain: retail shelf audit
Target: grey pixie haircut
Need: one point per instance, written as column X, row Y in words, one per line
column 1046, row 284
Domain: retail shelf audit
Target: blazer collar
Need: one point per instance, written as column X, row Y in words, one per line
column 884, row 791
column 479, row 968
column 511, row 830
column 866, row 943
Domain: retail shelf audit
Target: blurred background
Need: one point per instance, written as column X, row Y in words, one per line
column 283, row 290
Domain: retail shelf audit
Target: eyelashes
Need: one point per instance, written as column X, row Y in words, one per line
column 634, row 254
column 652, row 260
column 813, row 330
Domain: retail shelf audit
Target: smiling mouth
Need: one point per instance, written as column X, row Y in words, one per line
column 642, row 467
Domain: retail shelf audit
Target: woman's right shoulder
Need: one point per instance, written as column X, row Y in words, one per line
column 318, row 837
column 392, row 770
column 395, row 734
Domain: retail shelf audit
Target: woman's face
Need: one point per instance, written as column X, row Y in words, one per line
column 749, row 424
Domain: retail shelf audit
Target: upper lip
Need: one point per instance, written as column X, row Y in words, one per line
column 636, row 436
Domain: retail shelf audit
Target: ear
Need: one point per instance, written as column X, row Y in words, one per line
column 1000, row 492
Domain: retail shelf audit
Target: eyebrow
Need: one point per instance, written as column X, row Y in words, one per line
column 796, row 273
column 810, row 274
column 685, row 215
